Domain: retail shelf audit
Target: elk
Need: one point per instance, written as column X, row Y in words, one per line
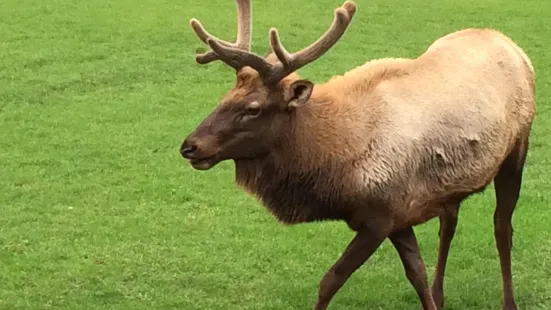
column 387, row 146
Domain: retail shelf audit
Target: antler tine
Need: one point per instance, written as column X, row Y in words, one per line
column 238, row 58
column 244, row 24
column 292, row 62
column 203, row 35
column 244, row 27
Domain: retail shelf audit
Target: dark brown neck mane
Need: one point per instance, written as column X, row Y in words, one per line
column 301, row 181
column 312, row 176
column 294, row 196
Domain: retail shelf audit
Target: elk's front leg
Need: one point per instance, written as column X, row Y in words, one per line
column 358, row 251
column 406, row 244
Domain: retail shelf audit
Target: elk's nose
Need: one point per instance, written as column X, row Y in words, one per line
column 187, row 149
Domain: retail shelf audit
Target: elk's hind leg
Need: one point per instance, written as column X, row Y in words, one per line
column 448, row 223
column 507, row 186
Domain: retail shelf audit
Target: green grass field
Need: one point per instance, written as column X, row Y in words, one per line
column 99, row 211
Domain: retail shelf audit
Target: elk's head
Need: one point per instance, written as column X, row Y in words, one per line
column 254, row 115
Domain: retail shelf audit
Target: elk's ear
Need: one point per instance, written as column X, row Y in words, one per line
column 299, row 93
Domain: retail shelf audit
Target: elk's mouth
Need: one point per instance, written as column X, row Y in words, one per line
column 204, row 163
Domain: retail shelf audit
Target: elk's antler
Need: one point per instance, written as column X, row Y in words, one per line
column 289, row 63
column 244, row 28
column 238, row 55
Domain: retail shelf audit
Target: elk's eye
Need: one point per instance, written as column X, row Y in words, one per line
column 252, row 111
